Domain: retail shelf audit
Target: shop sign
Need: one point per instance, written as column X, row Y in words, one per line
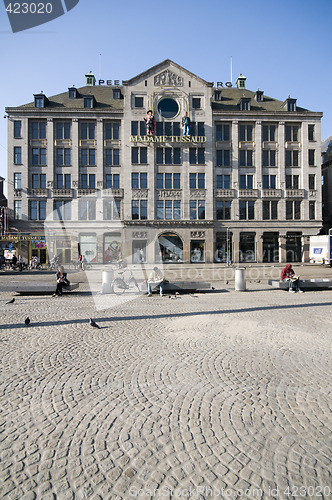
column 167, row 138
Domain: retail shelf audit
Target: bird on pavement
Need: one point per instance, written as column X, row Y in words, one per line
column 27, row 321
column 11, row 301
column 212, row 287
column 93, row 323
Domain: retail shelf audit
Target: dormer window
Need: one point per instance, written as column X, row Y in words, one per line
column 217, row 95
column 39, row 100
column 259, row 96
column 241, row 82
column 245, row 104
column 72, row 93
column 90, row 79
column 116, row 94
column 290, row 104
column 88, row 102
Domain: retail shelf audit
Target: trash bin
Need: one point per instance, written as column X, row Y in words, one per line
column 106, row 281
column 240, row 281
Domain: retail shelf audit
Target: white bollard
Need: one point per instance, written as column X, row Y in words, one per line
column 106, row 281
column 240, row 282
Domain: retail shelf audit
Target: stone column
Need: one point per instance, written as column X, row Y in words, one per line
column 282, row 248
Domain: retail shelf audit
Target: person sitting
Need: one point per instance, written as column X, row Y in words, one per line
column 156, row 278
column 61, row 281
column 288, row 274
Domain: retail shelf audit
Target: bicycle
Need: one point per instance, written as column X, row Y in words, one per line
column 119, row 285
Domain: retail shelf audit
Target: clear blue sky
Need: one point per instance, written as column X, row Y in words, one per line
column 282, row 47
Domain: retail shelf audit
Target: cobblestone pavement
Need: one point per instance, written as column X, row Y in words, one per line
column 213, row 395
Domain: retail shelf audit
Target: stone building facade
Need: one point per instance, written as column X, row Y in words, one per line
column 87, row 176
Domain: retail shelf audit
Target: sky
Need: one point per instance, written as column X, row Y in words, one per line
column 283, row 47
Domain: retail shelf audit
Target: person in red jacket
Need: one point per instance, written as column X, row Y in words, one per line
column 288, row 274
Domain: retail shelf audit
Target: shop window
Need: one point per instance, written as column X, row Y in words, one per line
column 247, row 247
column 197, row 251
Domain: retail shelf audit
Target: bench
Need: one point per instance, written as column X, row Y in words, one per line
column 180, row 286
column 310, row 284
column 42, row 288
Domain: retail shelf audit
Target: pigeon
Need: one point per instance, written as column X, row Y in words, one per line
column 93, row 323
column 11, row 301
column 27, row 321
column 212, row 287
column 226, row 282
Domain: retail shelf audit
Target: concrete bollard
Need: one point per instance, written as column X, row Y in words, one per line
column 240, row 281
column 106, row 281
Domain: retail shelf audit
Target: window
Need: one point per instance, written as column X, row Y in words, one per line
column 311, row 132
column 223, row 157
column 196, row 156
column 292, row 158
column 17, row 209
column 17, row 181
column 139, row 128
column 246, row 181
column 223, row 210
column 292, row 182
column 116, row 94
column 112, row 131
column 88, row 157
column 112, row 209
column 38, row 156
column 269, row 181
column 169, row 209
column 139, row 180
column 62, row 210
column 291, row 105
column 168, row 108
column 63, row 181
column 197, row 181
column 223, row 181
column 37, row 210
column 269, row 158
column 312, row 181
column 270, row 210
column 223, row 132
column 168, row 129
column 63, row 156
column 269, row 133
column 39, row 102
column 245, row 132
column 168, row 156
column 291, row 133
column 197, row 128
column 246, row 157
column 17, row 129
column 312, row 210
column 139, row 102
column 112, row 181
column 88, row 102
column 17, row 155
column 139, row 155
column 293, row 210
column 38, row 181
column 62, row 130
column 247, row 210
column 217, row 95
column 311, row 157
column 168, row 181
column 72, row 93
column 196, row 103
column 139, row 209
column 245, row 104
column 112, row 157
column 88, row 181
column 87, row 209
column 88, row 130
column 197, row 209
column 38, row 130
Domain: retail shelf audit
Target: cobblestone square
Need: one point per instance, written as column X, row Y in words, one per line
column 213, row 395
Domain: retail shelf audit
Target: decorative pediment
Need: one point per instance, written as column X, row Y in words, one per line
column 167, row 77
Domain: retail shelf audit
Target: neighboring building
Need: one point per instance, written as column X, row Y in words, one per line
column 327, row 184
column 243, row 186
